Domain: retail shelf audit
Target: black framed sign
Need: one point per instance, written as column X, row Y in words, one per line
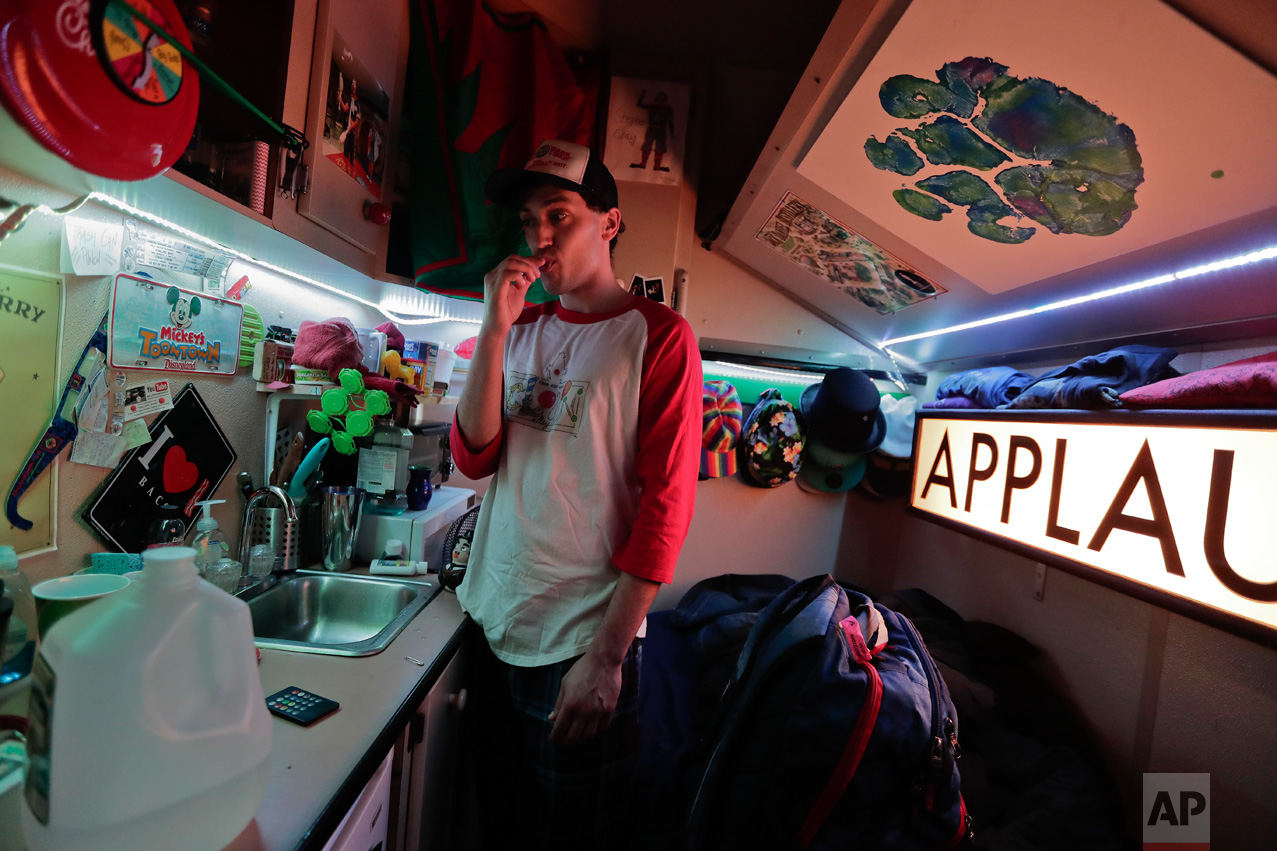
column 186, row 460
column 1173, row 507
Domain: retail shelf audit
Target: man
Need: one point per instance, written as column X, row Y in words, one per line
column 587, row 413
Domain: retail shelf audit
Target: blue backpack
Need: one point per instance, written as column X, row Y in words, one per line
column 836, row 731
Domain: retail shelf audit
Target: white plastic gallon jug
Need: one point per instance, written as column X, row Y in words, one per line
column 148, row 728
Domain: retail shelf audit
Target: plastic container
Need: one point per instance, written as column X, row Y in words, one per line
column 261, row 561
column 225, row 574
column 148, row 728
column 383, row 468
column 210, row 542
column 393, row 562
column 20, row 641
column 397, row 567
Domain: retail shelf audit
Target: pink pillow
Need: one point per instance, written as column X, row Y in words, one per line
column 1249, row 383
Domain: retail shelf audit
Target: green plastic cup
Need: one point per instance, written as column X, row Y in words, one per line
column 57, row 598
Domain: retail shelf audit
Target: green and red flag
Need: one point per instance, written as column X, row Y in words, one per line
column 485, row 89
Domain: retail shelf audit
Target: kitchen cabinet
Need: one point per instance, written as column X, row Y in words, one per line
column 435, row 801
column 312, row 54
column 348, row 40
column 365, row 827
column 282, row 57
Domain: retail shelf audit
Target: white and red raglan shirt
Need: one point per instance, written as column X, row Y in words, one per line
column 594, row 472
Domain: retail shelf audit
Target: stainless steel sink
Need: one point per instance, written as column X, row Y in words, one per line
column 337, row 614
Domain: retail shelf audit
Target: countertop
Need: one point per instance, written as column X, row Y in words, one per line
column 317, row 772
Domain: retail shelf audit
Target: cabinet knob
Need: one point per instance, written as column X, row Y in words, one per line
column 377, row 213
column 458, row 701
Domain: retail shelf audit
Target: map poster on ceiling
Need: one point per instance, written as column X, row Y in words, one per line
column 830, row 250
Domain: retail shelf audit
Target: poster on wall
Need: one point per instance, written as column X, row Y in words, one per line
column 184, row 462
column 647, row 130
column 827, row 248
column 162, row 327
column 356, row 119
column 30, row 345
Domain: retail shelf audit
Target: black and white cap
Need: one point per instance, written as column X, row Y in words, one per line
column 556, row 163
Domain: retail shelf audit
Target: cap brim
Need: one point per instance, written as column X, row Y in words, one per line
column 833, row 480
column 808, row 396
column 509, row 187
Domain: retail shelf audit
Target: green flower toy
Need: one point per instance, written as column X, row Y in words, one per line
column 347, row 411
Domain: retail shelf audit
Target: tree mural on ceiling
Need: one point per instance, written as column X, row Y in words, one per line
column 1067, row 165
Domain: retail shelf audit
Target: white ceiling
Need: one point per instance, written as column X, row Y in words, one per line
column 757, row 141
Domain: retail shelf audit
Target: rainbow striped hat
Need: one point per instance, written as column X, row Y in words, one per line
column 721, row 419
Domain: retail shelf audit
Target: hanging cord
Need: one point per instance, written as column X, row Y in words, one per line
column 19, row 216
column 290, row 137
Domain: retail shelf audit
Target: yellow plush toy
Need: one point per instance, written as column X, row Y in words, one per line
column 392, row 365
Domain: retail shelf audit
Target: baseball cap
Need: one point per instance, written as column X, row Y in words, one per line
column 555, row 163
column 721, row 426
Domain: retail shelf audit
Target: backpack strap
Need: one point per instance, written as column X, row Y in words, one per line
column 800, row 612
column 856, row 742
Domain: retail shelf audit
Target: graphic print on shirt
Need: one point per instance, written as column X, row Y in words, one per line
column 549, row 402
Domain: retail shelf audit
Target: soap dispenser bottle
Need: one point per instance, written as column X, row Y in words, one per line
column 210, row 543
column 20, row 641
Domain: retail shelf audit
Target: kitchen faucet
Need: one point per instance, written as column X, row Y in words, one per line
column 285, row 541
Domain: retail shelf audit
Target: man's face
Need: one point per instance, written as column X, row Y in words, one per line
column 568, row 235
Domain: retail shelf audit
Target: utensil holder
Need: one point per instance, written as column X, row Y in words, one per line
column 271, row 526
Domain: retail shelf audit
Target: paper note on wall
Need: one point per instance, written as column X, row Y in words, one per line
column 90, row 248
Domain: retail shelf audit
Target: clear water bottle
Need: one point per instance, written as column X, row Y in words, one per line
column 21, row 639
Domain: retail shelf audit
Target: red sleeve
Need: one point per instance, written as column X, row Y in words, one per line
column 474, row 464
column 669, row 444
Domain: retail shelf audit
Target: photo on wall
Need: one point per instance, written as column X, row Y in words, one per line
column 647, row 130
column 356, row 119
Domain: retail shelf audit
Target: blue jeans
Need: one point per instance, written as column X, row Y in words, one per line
column 562, row 798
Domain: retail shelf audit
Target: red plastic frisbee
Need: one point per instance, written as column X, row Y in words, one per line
column 96, row 86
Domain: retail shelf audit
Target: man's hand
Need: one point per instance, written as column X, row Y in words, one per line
column 504, row 289
column 587, row 701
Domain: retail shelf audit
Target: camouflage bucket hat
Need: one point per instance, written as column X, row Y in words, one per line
column 771, row 444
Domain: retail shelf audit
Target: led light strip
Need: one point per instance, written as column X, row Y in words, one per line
column 787, row 377
column 1239, row 260
column 211, row 243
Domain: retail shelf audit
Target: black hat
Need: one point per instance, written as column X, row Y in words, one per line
column 563, row 164
column 843, row 412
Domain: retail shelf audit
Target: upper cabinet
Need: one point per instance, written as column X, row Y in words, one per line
column 332, row 69
column 348, row 95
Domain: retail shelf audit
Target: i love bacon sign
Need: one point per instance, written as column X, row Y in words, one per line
column 186, row 460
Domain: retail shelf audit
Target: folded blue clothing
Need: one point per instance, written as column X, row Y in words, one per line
column 989, row 387
column 1098, row 380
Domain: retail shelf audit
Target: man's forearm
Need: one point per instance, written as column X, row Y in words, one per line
column 629, row 605
column 479, row 410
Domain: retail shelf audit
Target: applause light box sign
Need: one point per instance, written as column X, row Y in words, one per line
column 1179, row 509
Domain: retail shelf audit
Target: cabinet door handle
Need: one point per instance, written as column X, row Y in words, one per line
column 458, row 701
